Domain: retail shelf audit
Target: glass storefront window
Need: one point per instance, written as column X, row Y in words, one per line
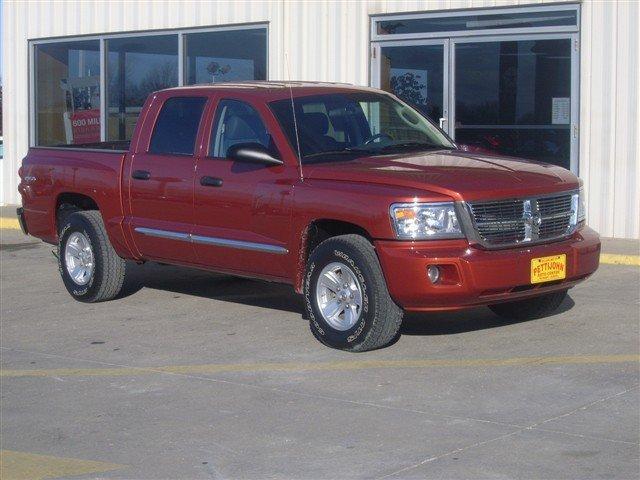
column 137, row 66
column 67, row 91
column 223, row 56
column 66, row 103
column 481, row 22
column 514, row 98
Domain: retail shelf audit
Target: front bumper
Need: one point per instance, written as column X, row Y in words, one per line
column 474, row 276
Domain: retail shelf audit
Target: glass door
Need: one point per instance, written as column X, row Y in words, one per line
column 418, row 73
column 511, row 95
column 514, row 96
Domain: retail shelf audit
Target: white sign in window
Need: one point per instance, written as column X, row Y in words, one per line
column 560, row 110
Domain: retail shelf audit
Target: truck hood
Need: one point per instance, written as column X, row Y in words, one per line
column 460, row 175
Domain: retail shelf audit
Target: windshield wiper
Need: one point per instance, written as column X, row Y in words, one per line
column 347, row 150
column 412, row 146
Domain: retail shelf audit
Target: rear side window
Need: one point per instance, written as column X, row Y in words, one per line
column 177, row 126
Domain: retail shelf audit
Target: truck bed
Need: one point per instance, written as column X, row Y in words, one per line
column 49, row 173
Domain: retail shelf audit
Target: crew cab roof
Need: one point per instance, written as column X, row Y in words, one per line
column 271, row 90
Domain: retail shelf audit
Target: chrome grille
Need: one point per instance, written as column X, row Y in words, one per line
column 510, row 222
column 499, row 222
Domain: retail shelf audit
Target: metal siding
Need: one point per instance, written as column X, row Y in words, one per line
column 330, row 41
column 609, row 149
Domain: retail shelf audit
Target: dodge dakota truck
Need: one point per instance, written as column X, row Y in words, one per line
column 348, row 194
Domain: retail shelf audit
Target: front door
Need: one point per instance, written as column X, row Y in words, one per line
column 161, row 181
column 242, row 214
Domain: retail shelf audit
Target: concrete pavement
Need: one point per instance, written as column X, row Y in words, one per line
column 196, row 375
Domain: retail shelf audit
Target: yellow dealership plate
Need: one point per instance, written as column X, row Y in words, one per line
column 547, row 269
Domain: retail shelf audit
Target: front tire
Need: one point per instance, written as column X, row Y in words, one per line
column 346, row 296
column 90, row 268
column 530, row 308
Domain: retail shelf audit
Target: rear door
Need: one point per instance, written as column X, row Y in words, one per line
column 242, row 214
column 161, row 178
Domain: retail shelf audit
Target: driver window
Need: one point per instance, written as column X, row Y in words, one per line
column 236, row 122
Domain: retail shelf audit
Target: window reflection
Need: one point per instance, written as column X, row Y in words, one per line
column 67, row 85
column 224, row 56
column 136, row 67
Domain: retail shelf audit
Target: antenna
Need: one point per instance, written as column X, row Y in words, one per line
column 295, row 120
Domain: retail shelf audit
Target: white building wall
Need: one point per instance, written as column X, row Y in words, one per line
column 329, row 40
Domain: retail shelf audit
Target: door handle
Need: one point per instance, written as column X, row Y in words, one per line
column 141, row 175
column 442, row 120
column 210, row 182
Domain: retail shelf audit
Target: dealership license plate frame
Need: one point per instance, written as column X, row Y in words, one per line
column 543, row 275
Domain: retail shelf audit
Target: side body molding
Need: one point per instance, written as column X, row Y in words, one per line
column 221, row 242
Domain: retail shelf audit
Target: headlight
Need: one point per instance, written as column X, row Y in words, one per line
column 578, row 209
column 420, row 221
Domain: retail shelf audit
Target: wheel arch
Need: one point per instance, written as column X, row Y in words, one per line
column 68, row 202
column 315, row 233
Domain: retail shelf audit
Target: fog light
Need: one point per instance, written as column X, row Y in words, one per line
column 433, row 273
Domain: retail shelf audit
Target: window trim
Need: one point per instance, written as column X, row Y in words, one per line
column 102, row 37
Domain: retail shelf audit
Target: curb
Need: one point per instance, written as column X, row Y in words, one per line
column 605, row 258
column 9, row 223
column 614, row 259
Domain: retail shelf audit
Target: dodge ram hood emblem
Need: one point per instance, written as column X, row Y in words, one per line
column 532, row 220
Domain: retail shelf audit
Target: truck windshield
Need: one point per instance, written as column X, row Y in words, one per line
column 343, row 125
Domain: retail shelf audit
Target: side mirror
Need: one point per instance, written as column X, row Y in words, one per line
column 252, row 153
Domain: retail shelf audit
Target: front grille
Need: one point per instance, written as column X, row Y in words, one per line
column 499, row 222
column 556, row 216
column 510, row 222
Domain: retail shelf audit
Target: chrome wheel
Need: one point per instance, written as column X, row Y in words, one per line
column 339, row 296
column 78, row 258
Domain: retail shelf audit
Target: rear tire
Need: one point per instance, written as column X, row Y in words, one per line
column 63, row 213
column 369, row 319
column 90, row 268
column 530, row 308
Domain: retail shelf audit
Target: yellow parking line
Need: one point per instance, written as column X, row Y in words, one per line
column 31, row 466
column 323, row 366
column 613, row 259
column 9, row 223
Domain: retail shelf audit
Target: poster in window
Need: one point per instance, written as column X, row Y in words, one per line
column 410, row 85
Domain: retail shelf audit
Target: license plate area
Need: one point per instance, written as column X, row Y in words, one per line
column 548, row 269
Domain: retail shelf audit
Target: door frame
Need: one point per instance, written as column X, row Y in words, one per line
column 449, row 43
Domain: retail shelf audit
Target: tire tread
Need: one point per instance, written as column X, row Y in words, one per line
column 388, row 320
column 113, row 267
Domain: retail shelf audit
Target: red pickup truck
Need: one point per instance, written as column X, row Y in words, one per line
column 346, row 193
